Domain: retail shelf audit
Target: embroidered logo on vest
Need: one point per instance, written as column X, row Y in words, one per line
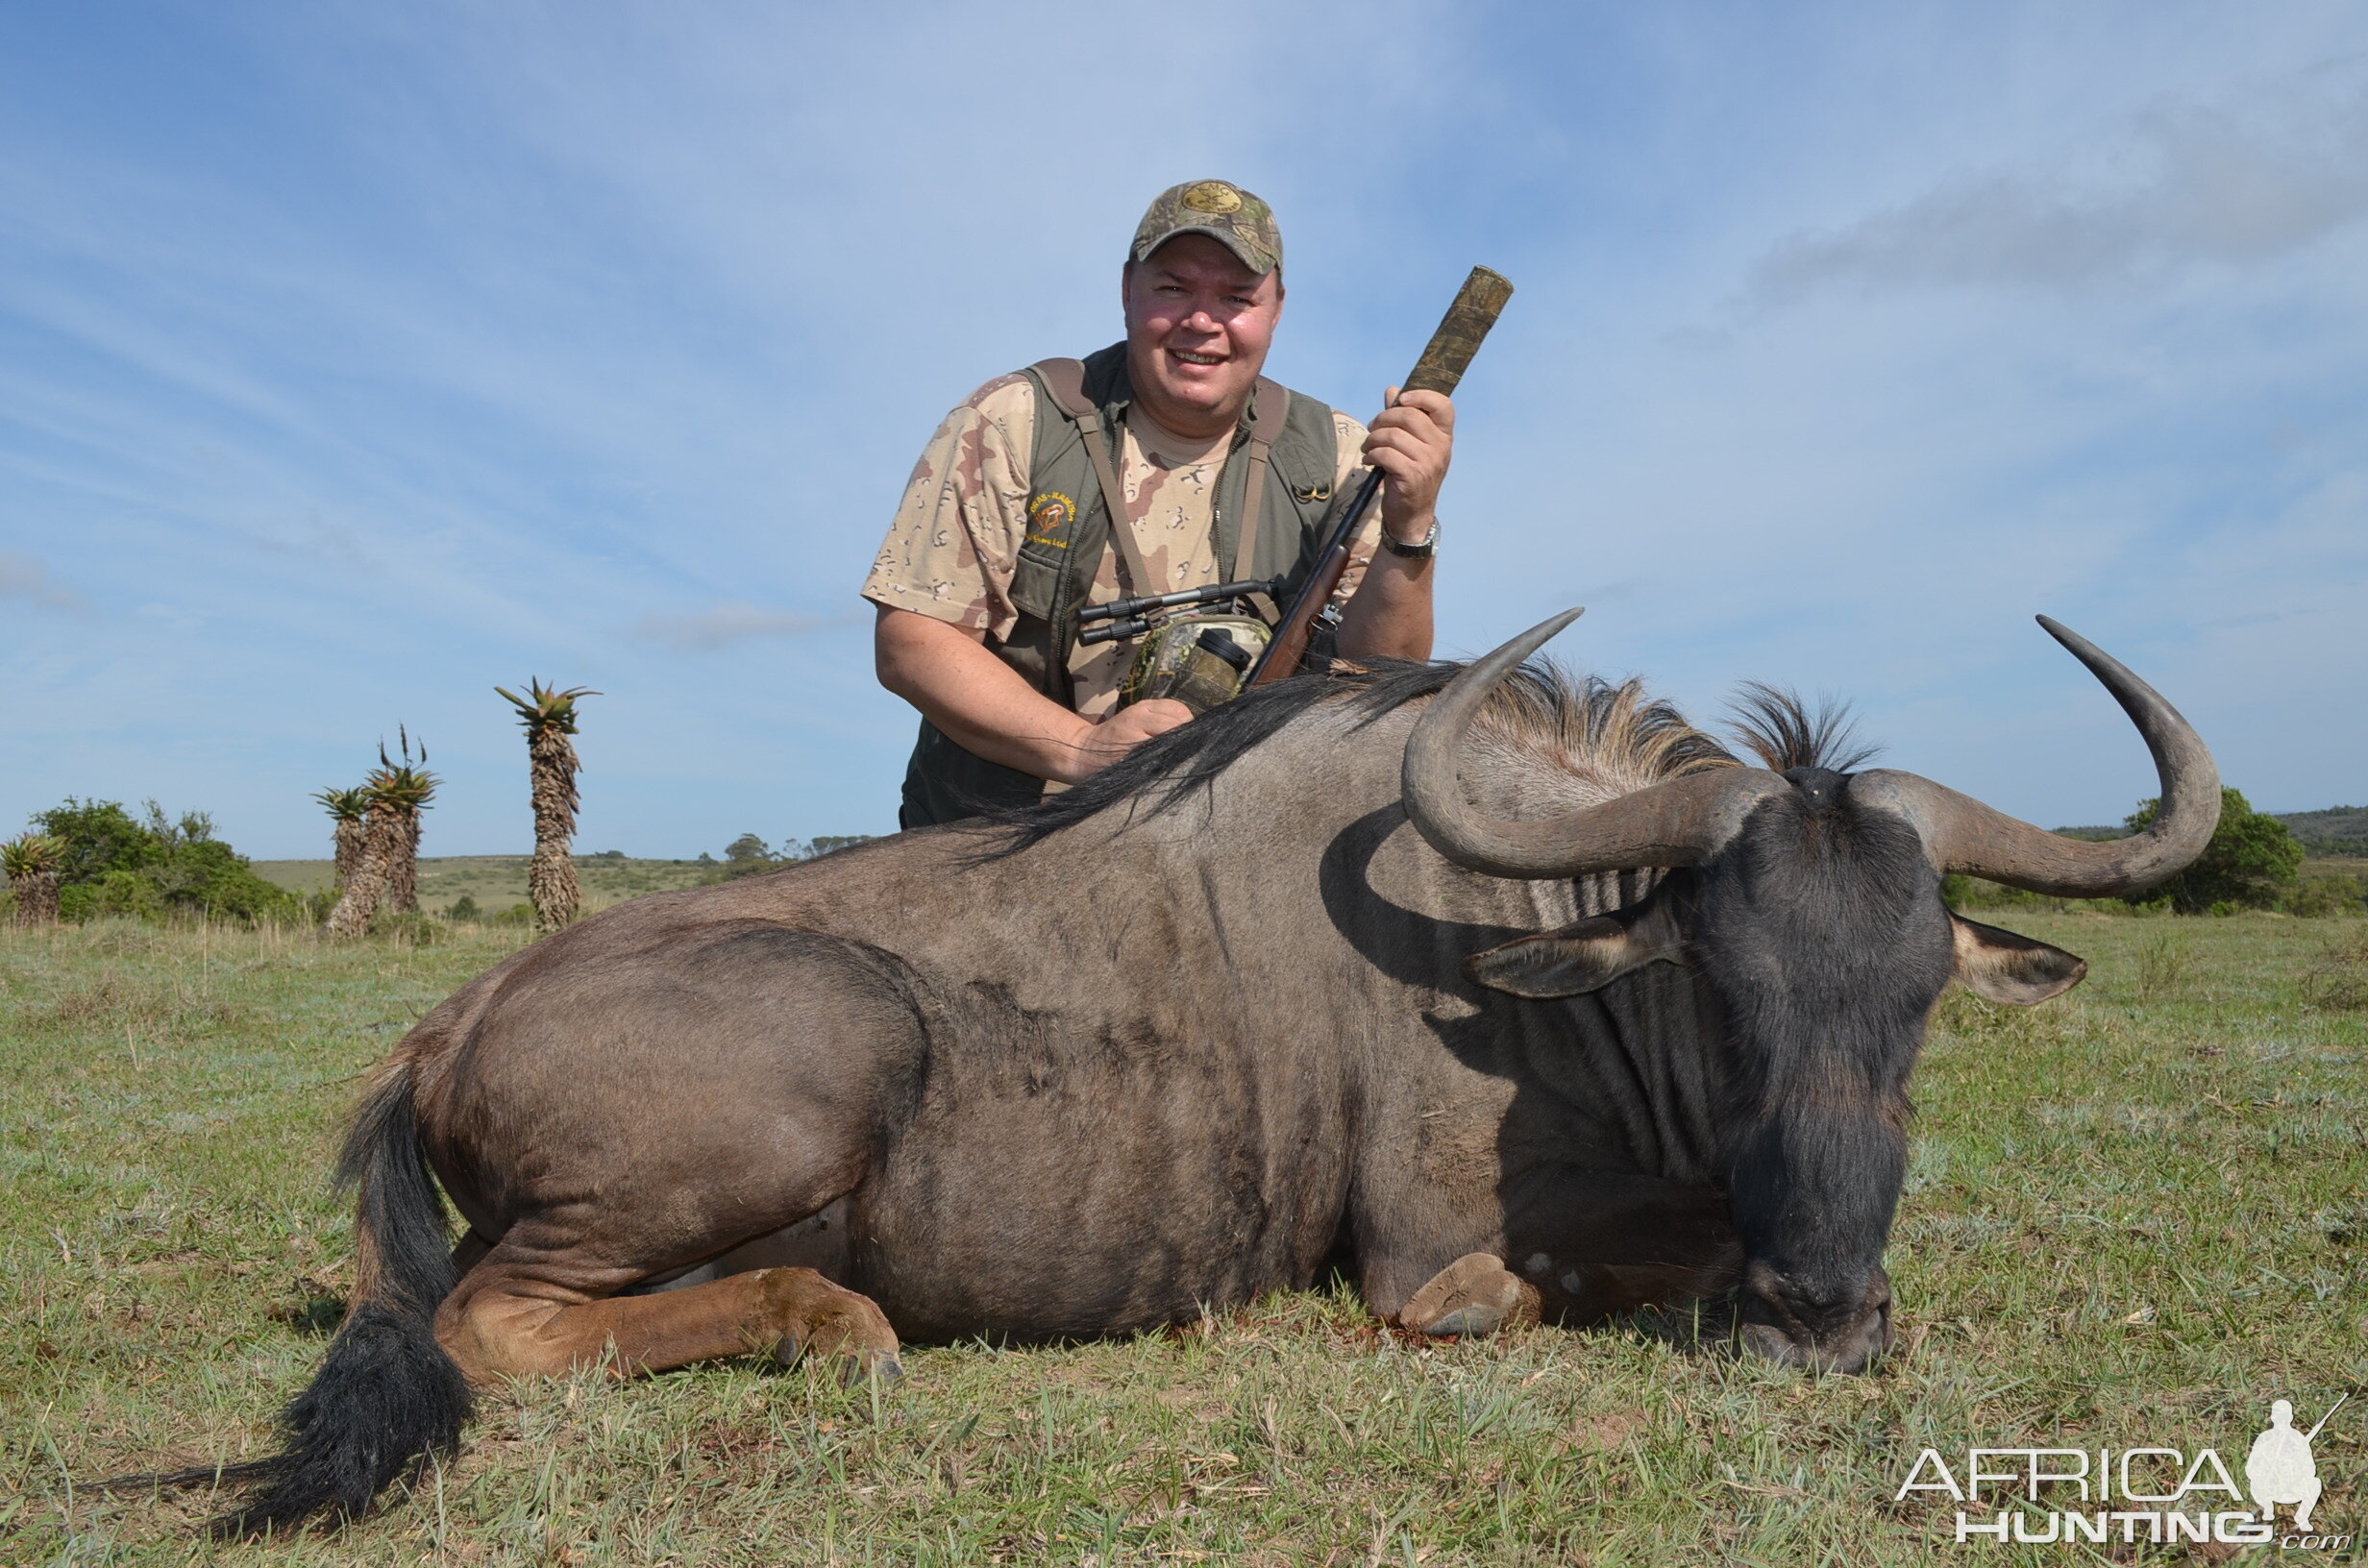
column 1048, row 514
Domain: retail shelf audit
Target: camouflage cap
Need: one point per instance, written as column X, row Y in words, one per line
column 1225, row 213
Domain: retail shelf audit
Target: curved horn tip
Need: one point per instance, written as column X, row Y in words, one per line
column 1545, row 632
column 2063, row 633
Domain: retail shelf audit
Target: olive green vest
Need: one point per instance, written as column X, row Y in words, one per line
column 1286, row 442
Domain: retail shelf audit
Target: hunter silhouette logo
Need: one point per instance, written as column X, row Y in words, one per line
column 2279, row 1469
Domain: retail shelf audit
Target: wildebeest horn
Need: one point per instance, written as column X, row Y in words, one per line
column 1962, row 833
column 1686, row 821
column 1679, row 823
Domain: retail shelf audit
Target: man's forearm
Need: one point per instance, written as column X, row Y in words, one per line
column 975, row 697
column 1390, row 614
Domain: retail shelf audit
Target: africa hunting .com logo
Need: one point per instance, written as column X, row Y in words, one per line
column 2158, row 1496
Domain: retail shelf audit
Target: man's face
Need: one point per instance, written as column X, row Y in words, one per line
column 1198, row 324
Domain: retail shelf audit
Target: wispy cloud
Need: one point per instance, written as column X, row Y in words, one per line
column 2176, row 184
column 726, row 622
column 21, row 576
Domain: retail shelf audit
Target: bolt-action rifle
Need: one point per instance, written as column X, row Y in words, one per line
column 1441, row 369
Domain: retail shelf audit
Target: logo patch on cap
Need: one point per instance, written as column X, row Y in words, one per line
column 1213, row 196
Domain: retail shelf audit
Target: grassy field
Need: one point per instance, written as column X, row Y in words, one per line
column 497, row 882
column 2134, row 1215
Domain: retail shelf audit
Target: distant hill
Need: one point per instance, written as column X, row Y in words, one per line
column 2338, row 830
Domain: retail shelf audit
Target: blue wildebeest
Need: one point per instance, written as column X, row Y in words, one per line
column 1421, row 971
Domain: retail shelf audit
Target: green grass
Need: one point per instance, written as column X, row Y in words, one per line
column 497, row 882
column 2134, row 1215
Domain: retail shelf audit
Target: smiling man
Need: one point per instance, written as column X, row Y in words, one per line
column 1163, row 462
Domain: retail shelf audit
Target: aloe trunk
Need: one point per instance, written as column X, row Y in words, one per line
column 349, row 850
column 402, row 873
column 32, row 864
column 347, row 807
column 366, row 883
column 36, row 898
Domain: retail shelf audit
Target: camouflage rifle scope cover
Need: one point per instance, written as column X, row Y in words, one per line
column 1170, row 661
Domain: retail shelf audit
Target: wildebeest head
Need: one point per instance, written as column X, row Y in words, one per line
column 1807, row 904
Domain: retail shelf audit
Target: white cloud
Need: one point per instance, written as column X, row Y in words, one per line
column 2240, row 182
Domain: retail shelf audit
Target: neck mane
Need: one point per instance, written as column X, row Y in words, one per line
column 1593, row 738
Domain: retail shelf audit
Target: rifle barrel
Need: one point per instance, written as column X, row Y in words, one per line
column 1115, row 630
column 1120, row 608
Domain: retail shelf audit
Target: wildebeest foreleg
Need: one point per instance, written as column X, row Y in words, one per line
column 506, row 1322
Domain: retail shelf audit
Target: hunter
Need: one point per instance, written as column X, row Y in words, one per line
column 1211, row 473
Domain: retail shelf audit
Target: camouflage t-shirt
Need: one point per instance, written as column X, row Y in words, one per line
column 955, row 541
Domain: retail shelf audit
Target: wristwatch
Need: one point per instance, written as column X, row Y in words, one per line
column 1420, row 551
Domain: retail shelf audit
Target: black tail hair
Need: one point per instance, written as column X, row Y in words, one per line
column 387, row 1396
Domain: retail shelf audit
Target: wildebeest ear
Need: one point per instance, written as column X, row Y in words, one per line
column 2006, row 968
column 1576, row 958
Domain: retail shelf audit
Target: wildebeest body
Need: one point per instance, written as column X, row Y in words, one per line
column 1062, row 1105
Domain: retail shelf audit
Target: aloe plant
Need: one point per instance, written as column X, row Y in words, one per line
column 548, row 715
column 386, row 867
column 31, row 862
column 349, row 808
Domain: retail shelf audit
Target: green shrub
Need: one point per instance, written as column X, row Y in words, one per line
column 2328, row 895
column 1963, row 892
column 418, row 930
column 115, row 863
column 2251, row 863
column 98, row 837
column 462, row 908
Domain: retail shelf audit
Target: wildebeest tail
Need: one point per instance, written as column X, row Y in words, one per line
column 387, row 1396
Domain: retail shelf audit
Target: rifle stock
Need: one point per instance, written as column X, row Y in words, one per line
column 1441, row 369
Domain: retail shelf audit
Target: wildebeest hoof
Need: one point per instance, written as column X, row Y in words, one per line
column 1475, row 1295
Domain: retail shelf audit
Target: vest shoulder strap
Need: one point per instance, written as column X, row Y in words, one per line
column 1065, row 381
column 1271, row 405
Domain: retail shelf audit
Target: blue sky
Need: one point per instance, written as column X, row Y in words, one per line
column 354, row 358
